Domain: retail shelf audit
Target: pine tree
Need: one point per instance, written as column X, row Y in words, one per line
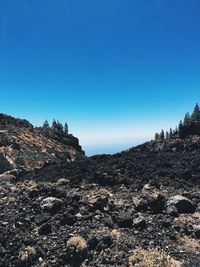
column 170, row 133
column 54, row 124
column 180, row 126
column 167, row 135
column 187, row 119
column 66, row 128
column 157, row 136
column 196, row 114
column 162, row 135
column 59, row 126
column 45, row 124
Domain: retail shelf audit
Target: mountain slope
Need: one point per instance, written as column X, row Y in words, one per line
column 140, row 208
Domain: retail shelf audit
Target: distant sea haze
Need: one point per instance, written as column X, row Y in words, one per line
column 96, row 149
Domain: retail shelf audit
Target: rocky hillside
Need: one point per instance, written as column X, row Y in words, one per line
column 136, row 208
column 22, row 145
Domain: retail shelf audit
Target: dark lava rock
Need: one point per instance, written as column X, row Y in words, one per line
column 4, row 165
column 141, row 205
column 44, row 229
column 93, row 242
column 125, row 221
column 156, row 204
column 139, row 223
column 68, row 219
column 109, row 222
column 100, row 202
column 39, row 220
column 166, row 223
column 105, row 242
column 105, row 179
column 172, row 211
column 51, row 204
column 183, row 204
column 196, row 231
column 192, row 263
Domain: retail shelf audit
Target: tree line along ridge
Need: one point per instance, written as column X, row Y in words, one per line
column 189, row 126
column 56, row 125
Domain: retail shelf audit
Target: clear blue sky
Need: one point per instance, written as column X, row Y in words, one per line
column 116, row 70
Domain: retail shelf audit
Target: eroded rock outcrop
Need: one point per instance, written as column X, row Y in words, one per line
column 22, row 145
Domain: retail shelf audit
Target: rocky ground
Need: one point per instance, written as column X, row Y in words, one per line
column 136, row 208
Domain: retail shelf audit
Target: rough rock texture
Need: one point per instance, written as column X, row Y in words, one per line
column 118, row 210
column 182, row 204
column 22, row 145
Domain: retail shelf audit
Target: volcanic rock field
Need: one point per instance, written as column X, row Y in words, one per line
column 140, row 207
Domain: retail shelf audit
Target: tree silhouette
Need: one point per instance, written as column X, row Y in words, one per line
column 157, row 136
column 180, row 126
column 170, row 132
column 66, row 128
column 162, row 135
column 56, row 125
column 45, row 124
column 187, row 119
column 196, row 114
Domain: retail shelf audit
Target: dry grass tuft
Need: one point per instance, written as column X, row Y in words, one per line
column 151, row 258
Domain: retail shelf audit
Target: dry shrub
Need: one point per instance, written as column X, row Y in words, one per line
column 27, row 185
column 27, row 254
column 77, row 244
column 11, row 200
column 151, row 258
column 189, row 244
column 62, row 181
column 104, row 192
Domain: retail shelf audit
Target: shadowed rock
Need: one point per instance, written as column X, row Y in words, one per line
column 183, row 204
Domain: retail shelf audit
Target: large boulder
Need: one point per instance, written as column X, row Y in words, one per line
column 182, row 204
column 125, row 220
column 151, row 200
column 51, row 204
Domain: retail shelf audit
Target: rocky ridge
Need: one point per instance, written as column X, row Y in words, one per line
column 22, row 145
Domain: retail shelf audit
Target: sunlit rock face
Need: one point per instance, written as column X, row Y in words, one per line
column 22, row 145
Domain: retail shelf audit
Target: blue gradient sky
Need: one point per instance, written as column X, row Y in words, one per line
column 116, row 70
